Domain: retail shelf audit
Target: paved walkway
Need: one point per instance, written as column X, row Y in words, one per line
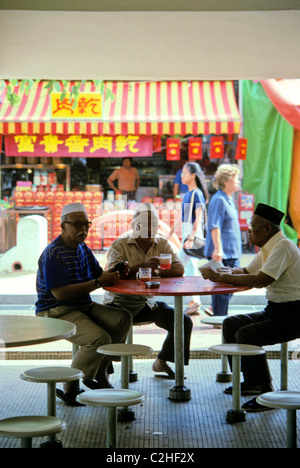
column 160, row 423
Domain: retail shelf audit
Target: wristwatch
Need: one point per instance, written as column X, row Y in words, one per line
column 157, row 272
column 97, row 284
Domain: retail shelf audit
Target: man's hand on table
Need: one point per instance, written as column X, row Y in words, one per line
column 210, row 273
column 108, row 278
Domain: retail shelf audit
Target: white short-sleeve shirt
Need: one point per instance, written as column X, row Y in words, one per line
column 126, row 248
column 280, row 259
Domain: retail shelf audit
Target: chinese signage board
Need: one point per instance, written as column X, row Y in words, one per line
column 241, row 149
column 195, row 148
column 216, row 147
column 89, row 106
column 173, row 149
column 101, row 146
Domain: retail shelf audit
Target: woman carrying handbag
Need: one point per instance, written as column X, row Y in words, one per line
column 193, row 220
column 224, row 243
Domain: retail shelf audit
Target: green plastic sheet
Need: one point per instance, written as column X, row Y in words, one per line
column 267, row 169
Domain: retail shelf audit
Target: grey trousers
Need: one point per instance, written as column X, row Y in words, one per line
column 96, row 325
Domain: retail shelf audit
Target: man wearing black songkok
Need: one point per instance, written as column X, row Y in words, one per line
column 277, row 268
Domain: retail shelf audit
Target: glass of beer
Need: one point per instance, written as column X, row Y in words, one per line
column 144, row 274
column 165, row 261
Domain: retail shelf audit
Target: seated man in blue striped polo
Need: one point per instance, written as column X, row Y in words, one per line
column 67, row 273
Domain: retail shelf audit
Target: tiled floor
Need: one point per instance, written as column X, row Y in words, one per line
column 160, row 422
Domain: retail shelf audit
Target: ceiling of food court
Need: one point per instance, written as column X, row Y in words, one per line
column 150, row 40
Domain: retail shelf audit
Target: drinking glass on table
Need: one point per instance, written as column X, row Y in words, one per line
column 144, row 274
column 165, row 261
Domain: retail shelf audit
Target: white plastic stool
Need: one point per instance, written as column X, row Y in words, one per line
column 225, row 375
column 236, row 351
column 27, row 427
column 133, row 376
column 284, row 400
column 51, row 375
column 111, row 398
column 124, row 350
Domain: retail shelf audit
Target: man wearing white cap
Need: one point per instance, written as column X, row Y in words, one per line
column 67, row 273
column 276, row 268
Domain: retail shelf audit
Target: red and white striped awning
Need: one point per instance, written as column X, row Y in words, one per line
column 139, row 108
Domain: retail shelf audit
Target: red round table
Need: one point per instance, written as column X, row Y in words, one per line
column 177, row 287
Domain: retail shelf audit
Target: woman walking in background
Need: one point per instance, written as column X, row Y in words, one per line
column 193, row 220
column 223, row 241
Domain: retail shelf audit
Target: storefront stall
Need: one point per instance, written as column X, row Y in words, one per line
column 53, row 153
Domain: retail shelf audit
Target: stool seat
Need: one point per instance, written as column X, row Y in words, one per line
column 215, row 320
column 30, row 426
column 234, row 349
column 51, row 374
column 290, row 401
column 124, row 349
column 279, row 399
column 111, row 397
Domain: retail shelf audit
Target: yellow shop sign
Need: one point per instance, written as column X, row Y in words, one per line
column 89, row 106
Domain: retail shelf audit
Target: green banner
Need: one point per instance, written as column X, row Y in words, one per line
column 267, row 168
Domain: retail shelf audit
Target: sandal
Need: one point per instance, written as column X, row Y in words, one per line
column 162, row 366
column 209, row 311
column 193, row 309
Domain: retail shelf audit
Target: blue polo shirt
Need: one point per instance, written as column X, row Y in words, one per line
column 223, row 214
column 60, row 265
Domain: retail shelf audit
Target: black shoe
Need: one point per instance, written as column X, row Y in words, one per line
column 95, row 385
column 245, row 391
column 69, row 398
column 110, row 368
column 253, row 407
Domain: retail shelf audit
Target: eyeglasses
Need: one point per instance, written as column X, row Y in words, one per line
column 79, row 224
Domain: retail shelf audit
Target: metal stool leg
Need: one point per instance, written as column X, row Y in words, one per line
column 224, row 375
column 133, row 376
column 51, row 406
column 291, row 428
column 236, row 414
column 125, row 414
column 284, row 366
column 26, row 442
column 111, row 441
column 75, row 348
